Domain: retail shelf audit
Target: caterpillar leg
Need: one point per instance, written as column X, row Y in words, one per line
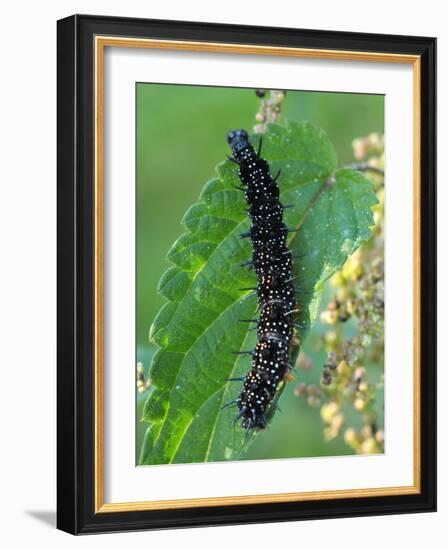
column 259, row 147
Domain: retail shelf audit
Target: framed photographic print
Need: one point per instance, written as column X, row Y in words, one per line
column 246, row 274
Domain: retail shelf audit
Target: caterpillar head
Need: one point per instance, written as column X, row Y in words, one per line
column 238, row 139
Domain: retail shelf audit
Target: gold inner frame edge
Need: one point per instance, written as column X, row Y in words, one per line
column 100, row 43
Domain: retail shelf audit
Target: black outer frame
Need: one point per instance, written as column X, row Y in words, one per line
column 75, row 295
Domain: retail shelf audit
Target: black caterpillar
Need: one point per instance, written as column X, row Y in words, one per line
column 272, row 262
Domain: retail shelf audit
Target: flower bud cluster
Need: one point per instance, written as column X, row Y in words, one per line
column 359, row 298
column 143, row 383
column 270, row 108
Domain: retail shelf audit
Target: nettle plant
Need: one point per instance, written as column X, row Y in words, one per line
column 198, row 330
column 346, row 395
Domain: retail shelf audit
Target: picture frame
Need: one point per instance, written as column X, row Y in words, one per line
column 82, row 43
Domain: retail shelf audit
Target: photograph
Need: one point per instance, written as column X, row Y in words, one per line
column 220, row 256
column 246, row 257
column 259, row 274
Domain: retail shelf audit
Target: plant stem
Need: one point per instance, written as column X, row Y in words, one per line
column 365, row 167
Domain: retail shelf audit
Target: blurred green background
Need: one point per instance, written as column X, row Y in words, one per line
column 181, row 137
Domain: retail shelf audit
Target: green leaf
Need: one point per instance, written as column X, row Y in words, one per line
column 198, row 329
